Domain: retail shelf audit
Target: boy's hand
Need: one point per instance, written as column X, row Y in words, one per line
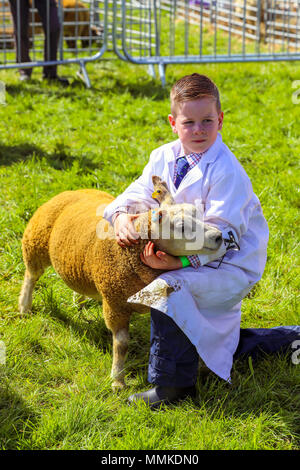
column 159, row 260
column 125, row 231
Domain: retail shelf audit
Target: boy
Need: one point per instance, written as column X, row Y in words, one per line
column 202, row 314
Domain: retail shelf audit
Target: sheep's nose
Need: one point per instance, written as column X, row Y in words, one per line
column 218, row 239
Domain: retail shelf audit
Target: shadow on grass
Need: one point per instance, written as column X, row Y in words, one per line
column 94, row 330
column 37, row 87
column 16, row 419
column 148, row 88
column 60, row 159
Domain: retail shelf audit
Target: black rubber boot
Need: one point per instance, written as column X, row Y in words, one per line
column 158, row 395
column 56, row 79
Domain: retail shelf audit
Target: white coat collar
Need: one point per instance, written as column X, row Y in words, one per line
column 208, row 157
column 195, row 173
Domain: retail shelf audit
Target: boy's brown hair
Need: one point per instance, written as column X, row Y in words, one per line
column 192, row 87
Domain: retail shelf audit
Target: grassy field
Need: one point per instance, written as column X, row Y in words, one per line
column 54, row 387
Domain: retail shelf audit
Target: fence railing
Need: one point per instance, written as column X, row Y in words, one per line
column 82, row 37
column 199, row 31
column 161, row 32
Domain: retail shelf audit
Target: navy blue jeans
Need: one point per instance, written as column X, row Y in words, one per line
column 173, row 360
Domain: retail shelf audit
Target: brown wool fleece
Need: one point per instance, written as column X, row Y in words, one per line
column 67, row 233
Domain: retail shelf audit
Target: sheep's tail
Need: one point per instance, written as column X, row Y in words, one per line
column 36, row 238
column 35, row 242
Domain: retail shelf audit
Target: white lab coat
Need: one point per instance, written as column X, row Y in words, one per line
column 206, row 302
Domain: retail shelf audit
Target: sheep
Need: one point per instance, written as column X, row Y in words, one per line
column 69, row 233
column 76, row 24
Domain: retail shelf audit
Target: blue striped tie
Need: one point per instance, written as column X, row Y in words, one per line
column 182, row 169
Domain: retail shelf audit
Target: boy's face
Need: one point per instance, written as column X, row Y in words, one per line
column 197, row 123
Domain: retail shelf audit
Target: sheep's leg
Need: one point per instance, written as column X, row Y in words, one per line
column 25, row 299
column 120, row 347
column 117, row 321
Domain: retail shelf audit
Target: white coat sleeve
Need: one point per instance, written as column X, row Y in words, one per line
column 227, row 207
column 137, row 197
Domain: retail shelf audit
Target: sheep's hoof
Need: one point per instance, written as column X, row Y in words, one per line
column 118, row 385
column 24, row 308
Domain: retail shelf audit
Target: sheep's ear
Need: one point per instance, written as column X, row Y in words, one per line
column 156, row 179
column 164, row 184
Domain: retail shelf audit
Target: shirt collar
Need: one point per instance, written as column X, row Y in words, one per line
column 171, row 151
column 191, row 156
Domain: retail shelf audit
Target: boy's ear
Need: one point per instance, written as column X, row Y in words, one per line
column 220, row 120
column 172, row 123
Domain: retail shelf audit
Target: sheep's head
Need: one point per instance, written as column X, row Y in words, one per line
column 179, row 230
column 161, row 191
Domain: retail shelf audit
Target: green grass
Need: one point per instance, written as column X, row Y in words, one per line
column 55, row 391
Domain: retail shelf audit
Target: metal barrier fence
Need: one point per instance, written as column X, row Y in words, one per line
column 203, row 31
column 82, row 36
column 159, row 32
